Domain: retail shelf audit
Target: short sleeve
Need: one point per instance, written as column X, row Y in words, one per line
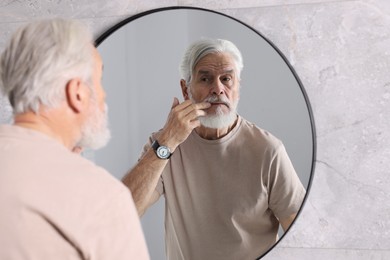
column 286, row 192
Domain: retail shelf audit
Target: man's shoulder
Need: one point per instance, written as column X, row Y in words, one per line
column 258, row 134
column 48, row 163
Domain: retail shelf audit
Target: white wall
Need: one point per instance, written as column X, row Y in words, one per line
column 340, row 50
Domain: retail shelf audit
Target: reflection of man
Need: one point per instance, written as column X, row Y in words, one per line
column 227, row 184
column 54, row 203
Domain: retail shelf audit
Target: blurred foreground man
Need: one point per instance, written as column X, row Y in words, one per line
column 54, row 203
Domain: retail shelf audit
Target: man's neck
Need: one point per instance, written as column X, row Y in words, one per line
column 48, row 125
column 214, row 133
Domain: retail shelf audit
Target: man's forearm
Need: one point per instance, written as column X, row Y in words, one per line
column 143, row 178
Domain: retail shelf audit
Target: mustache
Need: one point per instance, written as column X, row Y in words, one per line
column 215, row 99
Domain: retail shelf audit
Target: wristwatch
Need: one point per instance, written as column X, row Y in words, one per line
column 161, row 151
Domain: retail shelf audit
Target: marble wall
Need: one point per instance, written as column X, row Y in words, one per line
column 341, row 51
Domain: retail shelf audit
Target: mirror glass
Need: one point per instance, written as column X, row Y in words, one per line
column 141, row 58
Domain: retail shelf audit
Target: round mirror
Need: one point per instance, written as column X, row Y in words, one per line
column 141, row 57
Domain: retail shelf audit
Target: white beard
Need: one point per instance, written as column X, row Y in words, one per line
column 95, row 133
column 219, row 119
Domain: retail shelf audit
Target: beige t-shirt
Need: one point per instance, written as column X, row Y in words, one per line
column 224, row 197
column 57, row 205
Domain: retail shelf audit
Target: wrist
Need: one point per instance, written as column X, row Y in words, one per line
column 162, row 151
column 164, row 140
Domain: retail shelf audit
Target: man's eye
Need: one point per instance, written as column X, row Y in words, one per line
column 227, row 79
column 204, row 79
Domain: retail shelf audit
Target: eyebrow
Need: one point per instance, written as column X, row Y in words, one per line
column 205, row 72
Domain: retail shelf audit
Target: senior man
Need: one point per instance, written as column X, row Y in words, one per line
column 228, row 184
column 54, row 203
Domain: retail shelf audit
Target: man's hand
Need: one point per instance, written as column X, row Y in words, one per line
column 182, row 119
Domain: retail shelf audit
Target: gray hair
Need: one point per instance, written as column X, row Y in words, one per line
column 41, row 58
column 199, row 49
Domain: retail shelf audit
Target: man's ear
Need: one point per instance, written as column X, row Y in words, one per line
column 76, row 95
column 184, row 89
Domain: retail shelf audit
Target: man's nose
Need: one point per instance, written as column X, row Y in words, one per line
column 218, row 88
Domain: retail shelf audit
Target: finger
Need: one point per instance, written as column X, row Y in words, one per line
column 179, row 108
column 198, row 108
column 194, row 123
column 175, row 102
column 195, row 114
column 183, row 105
column 203, row 105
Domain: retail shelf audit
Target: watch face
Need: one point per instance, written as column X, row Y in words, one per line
column 163, row 152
